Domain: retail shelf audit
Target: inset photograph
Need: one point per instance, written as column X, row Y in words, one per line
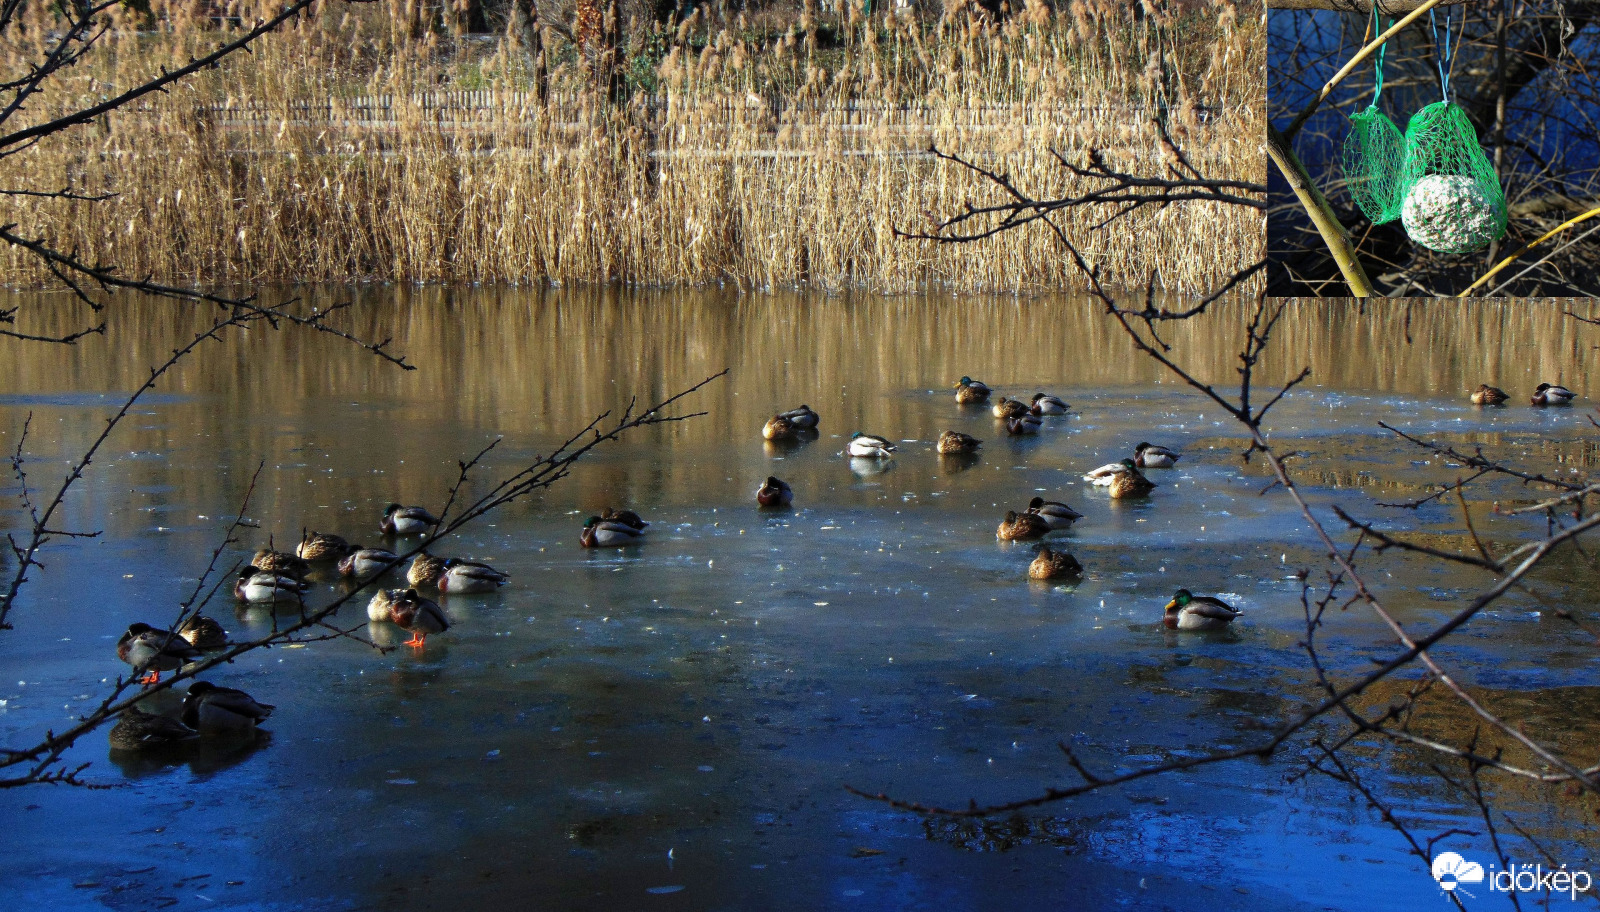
column 1432, row 148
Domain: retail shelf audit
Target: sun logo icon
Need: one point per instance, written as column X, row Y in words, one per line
column 1451, row 871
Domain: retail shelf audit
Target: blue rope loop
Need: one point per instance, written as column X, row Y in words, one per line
column 1445, row 58
column 1378, row 68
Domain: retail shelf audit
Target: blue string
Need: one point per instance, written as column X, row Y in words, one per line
column 1443, row 57
column 1381, row 48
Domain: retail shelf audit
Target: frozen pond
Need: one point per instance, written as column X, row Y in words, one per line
column 671, row 727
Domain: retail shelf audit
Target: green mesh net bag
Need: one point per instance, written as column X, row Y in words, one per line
column 1374, row 151
column 1372, row 157
column 1450, row 198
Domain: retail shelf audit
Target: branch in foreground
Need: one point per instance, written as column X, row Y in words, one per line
column 1257, row 335
column 14, row 141
column 41, row 762
column 65, row 266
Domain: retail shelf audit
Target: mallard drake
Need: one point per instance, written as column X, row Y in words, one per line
column 203, row 632
column 598, row 533
column 1023, row 424
column 1006, row 409
column 1131, row 483
column 407, row 610
column 1489, row 395
column 364, row 562
column 1053, row 564
column 1549, row 394
column 153, row 651
column 319, row 546
column 1056, row 515
column 626, row 517
column 869, row 446
column 1198, row 612
column 1150, row 456
column 778, row 428
column 803, row 417
column 775, row 493
column 953, row 443
column 1017, row 526
column 138, row 730
column 259, row 587
column 424, row 569
column 398, row 520
column 971, row 392
column 466, row 577
column 280, row 562
column 210, row 709
column 1046, row 404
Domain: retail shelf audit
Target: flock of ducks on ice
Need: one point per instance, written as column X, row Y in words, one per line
column 277, row 576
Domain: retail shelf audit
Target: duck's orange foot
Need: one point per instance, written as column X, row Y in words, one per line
column 151, row 677
column 415, row 642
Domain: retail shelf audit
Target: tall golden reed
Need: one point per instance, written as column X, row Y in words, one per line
column 356, row 146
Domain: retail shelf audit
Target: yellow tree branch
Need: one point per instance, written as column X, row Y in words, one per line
column 1385, row 7
column 1316, row 205
column 1545, row 237
column 1350, row 65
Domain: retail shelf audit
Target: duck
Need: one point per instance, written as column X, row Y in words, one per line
column 407, row 610
column 137, row 730
column 1046, row 404
column 398, row 520
column 1108, row 473
column 1023, row 424
column 1131, row 483
column 952, row 443
column 1055, row 514
column 1198, row 612
column 1489, row 395
column 465, row 577
column 626, row 517
column 1150, row 456
column 1103, row 475
column 775, row 493
column 869, row 445
column 778, row 428
column 203, row 632
column 1018, row 526
column 424, row 569
column 153, row 651
column 361, row 562
column 280, row 562
column 319, row 546
column 803, row 417
column 1006, row 409
column 598, row 533
column 259, row 587
column 1549, row 394
column 1053, row 564
column 210, row 709
column 971, row 392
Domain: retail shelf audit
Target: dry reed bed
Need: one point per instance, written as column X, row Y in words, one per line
column 753, row 162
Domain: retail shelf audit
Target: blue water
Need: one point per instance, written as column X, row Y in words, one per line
column 673, row 726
